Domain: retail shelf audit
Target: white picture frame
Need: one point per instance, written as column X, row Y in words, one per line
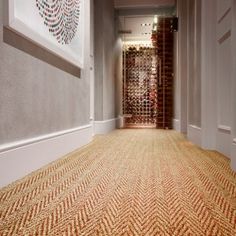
column 25, row 19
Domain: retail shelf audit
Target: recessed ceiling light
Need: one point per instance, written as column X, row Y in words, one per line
column 146, row 24
column 146, row 33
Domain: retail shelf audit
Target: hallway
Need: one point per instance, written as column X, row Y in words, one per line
column 129, row 182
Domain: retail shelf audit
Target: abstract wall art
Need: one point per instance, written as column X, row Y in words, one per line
column 61, row 17
column 56, row 25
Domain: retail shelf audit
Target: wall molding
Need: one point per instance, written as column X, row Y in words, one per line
column 38, row 152
column 22, row 143
column 224, row 15
column 195, row 134
column 105, row 126
column 225, row 37
column 223, row 142
column 176, row 124
column 224, row 128
column 120, row 122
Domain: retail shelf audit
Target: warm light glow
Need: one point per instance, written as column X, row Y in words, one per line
column 155, row 19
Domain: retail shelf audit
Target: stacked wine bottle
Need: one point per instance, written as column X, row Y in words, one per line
column 163, row 41
column 140, row 86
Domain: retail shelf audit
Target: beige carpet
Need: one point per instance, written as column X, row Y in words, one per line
column 131, row 182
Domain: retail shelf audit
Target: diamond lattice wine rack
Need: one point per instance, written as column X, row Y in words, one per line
column 140, row 86
column 148, row 80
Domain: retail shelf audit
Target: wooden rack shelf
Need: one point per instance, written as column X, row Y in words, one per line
column 140, row 86
column 148, row 80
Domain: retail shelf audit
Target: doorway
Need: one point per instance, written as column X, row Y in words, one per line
column 148, row 76
column 140, row 86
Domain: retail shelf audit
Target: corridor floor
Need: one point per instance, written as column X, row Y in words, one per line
column 130, row 182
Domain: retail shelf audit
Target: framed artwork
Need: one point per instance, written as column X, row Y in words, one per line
column 56, row 25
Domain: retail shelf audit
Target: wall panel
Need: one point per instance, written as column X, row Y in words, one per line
column 224, row 70
column 224, row 82
column 222, row 8
column 180, row 80
column 208, row 74
column 233, row 89
column 194, row 63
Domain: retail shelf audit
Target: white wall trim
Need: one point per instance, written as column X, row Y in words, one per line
column 30, row 155
column 22, row 143
column 224, row 128
column 105, row 126
column 195, row 134
column 176, row 124
column 120, row 122
column 234, row 141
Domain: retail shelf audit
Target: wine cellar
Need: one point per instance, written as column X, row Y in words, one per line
column 140, row 86
column 148, row 80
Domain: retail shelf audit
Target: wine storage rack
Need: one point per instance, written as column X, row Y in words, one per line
column 163, row 41
column 140, row 86
column 148, row 80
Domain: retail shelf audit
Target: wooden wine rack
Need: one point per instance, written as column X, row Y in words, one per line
column 163, row 40
column 148, row 80
column 140, row 86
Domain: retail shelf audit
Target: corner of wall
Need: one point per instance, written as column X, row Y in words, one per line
column 105, row 126
column 233, row 155
column 195, row 135
column 176, row 125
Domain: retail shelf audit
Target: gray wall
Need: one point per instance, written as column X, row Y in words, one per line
column 118, row 55
column 210, row 71
column 176, row 81
column 36, row 98
column 104, row 60
column 194, row 62
column 187, row 92
column 119, row 76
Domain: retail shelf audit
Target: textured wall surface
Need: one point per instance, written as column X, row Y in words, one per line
column 104, row 60
column 36, row 98
column 119, row 76
column 194, row 63
column 177, row 81
column 98, row 58
column 188, row 65
column 181, row 68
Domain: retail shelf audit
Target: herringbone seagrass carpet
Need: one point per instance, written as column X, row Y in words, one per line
column 130, row 182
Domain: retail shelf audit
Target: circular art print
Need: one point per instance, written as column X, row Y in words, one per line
column 61, row 17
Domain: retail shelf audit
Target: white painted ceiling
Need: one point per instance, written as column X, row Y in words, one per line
column 135, row 23
column 143, row 3
column 140, row 26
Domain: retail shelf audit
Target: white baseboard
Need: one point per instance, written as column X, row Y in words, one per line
column 195, row 134
column 233, row 155
column 225, row 129
column 176, row 124
column 120, row 122
column 223, row 142
column 106, row 126
column 21, row 158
